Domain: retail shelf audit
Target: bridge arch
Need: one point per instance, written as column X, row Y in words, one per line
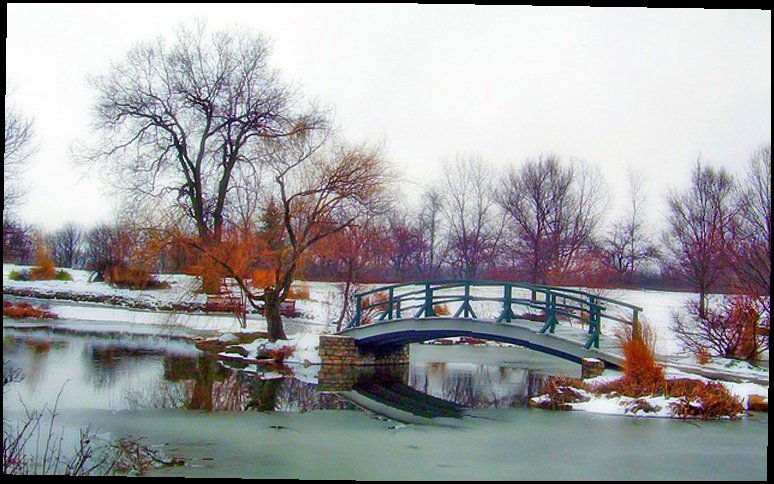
column 406, row 313
column 408, row 331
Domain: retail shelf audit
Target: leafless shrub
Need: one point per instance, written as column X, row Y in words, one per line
column 736, row 328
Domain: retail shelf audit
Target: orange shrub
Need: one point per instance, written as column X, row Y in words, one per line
column 127, row 277
column 279, row 354
column 642, row 375
column 441, row 310
column 24, row 310
column 705, row 401
column 299, row 292
column 372, row 306
column 561, row 391
column 44, row 269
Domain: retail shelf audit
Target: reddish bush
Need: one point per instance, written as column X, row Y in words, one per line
column 642, row 375
column 44, row 269
column 705, row 401
column 441, row 310
column 279, row 354
column 24, row 310
column 372, row 306
column 732, row 329
column 561, row 392
column 122, row 276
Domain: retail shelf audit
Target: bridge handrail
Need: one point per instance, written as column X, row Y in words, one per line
column 599, row 298
column 452, row 283
column 583, row 306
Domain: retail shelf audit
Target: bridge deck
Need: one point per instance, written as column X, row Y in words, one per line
column 567, row 341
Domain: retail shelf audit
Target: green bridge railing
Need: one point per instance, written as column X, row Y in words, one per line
column 418, row 300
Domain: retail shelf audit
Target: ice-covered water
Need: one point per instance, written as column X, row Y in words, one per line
column 165, row 391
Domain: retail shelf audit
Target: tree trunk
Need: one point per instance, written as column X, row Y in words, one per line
column 211, row 281
column 201, row 397
column 702, row 303
column 272, row 313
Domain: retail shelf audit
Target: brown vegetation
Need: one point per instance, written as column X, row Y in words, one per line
column 736, row 328
column 44, row 269
column 642, row 375
column 562, row 391
column 131, row 278
column 23, row 310
column 441, row 310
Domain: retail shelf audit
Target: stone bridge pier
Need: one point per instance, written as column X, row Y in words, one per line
column 342, row 350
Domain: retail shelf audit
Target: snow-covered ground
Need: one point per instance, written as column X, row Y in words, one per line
column 626, row 406
column 318, row 313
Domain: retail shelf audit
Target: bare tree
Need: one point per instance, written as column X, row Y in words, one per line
column 19, row 146
column 752, row 261
column 555, row 212
column 179, row 121
column 700, row 224
column 473, row 224
column 66, row 245
column 355, row 247
column 404, row 247
column 320, row 189
column 18, row 242
column 628, row 245
column 430, row 220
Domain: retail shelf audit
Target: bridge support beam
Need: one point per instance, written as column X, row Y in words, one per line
column 342, row 350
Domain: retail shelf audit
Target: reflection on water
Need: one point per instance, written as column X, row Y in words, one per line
column 138, row 373
column 478, row 386
column 504, row 443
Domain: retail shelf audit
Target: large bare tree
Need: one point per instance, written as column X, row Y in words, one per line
column 66, row 244
column 700, row 226
column 430, row 230
column 628, row 244
column 473, row 224
column 752, row 260
column 317, row 188
column 554, row 213
column 19, row 146
column 180, row 120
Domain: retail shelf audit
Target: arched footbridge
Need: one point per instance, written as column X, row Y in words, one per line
column 564, row 322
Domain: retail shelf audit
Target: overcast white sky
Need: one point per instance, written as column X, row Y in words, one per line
column 653, row 89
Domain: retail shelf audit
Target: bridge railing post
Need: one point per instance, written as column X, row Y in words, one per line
column 390, row 303
column 636, row 320
column 466, row 300
column 550, row 310
column 592, row 303
column 429, row 312
column 507, row 313
column 358, row 311
column 595, row 327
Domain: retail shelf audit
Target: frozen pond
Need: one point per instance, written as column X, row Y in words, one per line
column 455, row 413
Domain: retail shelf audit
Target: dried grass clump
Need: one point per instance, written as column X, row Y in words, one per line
column 642, row 375
column 126, row 277
column 441, row 310
column 44, row 269
column 63, row 275
column 299, row 292
column 372, row 306
column 706, row 401
column 24, row 310
column 279, row 354
column 560, row 392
